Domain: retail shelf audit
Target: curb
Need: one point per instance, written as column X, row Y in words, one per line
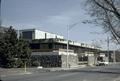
column 65, row 69
column 24, row 73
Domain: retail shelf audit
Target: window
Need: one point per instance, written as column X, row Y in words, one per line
column 27, row 35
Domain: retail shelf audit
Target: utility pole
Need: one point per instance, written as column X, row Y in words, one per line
column 108, row 53
column 69, row 27
column 67, row 46
column 114, row 57
column 25, row 68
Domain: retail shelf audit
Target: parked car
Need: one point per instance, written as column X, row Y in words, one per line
column 39, row 67
column 102, row 63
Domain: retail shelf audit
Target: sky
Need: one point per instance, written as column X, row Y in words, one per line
column 52, row 16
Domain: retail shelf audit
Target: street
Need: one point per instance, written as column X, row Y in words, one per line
column 101, row 73
column 64, row 76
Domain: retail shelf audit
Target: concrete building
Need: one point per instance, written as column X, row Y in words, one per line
column 54, row 47
column 32, row 34
column 50, row 49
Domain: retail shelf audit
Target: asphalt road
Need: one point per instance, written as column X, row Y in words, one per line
column 111, row 73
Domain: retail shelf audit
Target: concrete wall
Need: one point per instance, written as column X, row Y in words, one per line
column 42, row 35
column 72, row 59
column 91, row 60
column 39, row 34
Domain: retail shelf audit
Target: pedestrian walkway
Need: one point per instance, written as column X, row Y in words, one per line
column 21, row 71
column 13, row 71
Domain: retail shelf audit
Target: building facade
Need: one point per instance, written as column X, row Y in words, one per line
column 32, row 34
column 50, row 49
column 56, row 58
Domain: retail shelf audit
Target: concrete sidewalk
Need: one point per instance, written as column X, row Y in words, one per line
column 13, row 71
column 21, row 71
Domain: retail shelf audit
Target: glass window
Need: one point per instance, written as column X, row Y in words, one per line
column 27, row 34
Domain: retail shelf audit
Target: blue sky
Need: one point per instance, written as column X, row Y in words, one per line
column 52, row 16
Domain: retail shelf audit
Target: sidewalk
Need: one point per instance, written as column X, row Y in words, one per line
column 21, row 71
column 13, row 71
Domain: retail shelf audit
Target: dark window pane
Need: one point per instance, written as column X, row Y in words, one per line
column 27, row 35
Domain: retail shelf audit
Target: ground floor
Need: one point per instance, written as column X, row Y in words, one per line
column 55, row 59
column 61, row 59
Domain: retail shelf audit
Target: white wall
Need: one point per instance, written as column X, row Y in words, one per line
column 58, row 36
column 39, row 34
column 49, row 35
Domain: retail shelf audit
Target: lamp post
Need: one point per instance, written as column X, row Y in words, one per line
column 69, row 27
column 67, row 45
column 25, row 67
column 114, row 57
column 108, row 49
column 107, row 45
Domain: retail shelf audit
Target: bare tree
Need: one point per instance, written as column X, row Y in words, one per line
column 107, row 14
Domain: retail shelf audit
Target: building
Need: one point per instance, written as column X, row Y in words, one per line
column 50, row 49
column 32, row 34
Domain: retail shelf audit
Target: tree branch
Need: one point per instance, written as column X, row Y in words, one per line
column 115, row 35
column 103, row 7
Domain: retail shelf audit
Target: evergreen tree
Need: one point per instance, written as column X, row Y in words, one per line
column 23, row 52
column 13, row 52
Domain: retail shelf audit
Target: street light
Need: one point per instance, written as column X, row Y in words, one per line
column 114, row 57
column 108, row 49
column 108, row 44
column 67, row 44
column 69, row 27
